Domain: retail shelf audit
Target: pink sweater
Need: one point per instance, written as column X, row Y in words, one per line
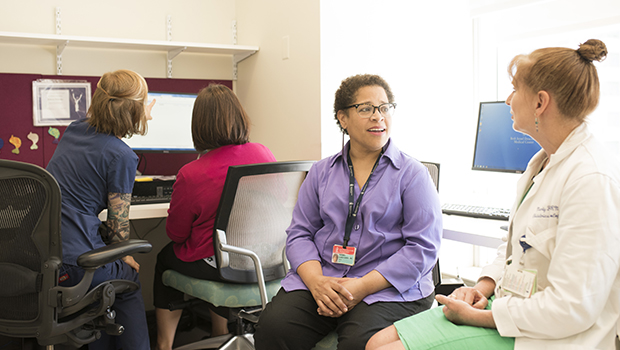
column 196, row 196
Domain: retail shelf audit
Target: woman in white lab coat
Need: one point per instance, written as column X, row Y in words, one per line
column 559, row 287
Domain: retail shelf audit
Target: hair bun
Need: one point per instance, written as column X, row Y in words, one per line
column 592, row 50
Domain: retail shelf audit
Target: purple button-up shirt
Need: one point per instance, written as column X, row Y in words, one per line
column 397, row 230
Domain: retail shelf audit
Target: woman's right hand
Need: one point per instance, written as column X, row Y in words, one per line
column 328, row 294
column 326, row 291
column 148, row 109
column 471, row 296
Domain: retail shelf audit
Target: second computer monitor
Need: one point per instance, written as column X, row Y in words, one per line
column 170, row 130
column 498, row 146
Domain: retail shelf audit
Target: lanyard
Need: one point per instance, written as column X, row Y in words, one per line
column 522, row 242
column 353, row 209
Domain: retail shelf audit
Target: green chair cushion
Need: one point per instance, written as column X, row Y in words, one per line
column 232, row 295
column 330, row 342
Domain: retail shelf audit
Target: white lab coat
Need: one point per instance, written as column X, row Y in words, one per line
column 571, row 218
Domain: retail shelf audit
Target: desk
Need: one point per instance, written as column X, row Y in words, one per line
column 479, row 232
column 481, row 238
column 143, row 211
column 154, row 231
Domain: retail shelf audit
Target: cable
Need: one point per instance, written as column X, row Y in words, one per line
column 149, row 231
column 140, row 158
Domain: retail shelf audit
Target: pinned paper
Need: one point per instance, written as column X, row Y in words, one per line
column 34, row 138
column 55, row 133
column 17, row 142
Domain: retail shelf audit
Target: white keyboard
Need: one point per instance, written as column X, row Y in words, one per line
column 476, row 211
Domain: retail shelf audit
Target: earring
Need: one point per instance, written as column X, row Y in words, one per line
column 536, row 122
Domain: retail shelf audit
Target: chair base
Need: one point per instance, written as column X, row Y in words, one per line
column 240, row 342
column 209, row 343
column 224, row 342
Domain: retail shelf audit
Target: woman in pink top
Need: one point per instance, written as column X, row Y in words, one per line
column 221, row 127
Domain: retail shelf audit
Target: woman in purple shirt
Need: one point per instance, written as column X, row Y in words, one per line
column 364, row 236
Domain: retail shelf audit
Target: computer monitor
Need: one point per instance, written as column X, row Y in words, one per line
column 498, row 146
column 170, row 130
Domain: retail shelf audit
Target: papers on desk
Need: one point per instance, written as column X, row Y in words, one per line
column 145, row 178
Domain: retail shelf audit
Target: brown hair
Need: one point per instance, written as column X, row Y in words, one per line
column 218, row 119
column 566, row 74
column 345, row 95
column 118, row 104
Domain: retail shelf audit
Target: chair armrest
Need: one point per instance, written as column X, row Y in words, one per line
column 101, row 256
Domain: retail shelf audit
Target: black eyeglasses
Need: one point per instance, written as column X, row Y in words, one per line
column 366, row 110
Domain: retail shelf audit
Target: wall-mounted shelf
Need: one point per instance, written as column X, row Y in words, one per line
column 173, row 48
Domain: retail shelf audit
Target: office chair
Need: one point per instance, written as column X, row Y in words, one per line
column 433, row 170
column 249, row 237
column 448, row 288
column 32, row 304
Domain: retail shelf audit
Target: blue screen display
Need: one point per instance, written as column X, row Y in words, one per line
column 498, row 146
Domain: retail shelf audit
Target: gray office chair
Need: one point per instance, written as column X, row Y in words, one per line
column 249, row 238
column 32, row 304
column 448, row 288
column 433, row 170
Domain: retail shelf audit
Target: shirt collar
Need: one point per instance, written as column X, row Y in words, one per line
column 390, row 152
column 578, row 136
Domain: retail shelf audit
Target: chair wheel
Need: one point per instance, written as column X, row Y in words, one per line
column 114, row 329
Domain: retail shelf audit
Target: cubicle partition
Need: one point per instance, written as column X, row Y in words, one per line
column 22, row 141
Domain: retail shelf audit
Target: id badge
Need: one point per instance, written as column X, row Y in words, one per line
column 341, row 255
column 519, row 282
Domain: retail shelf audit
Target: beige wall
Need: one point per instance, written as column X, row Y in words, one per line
column 281, row 96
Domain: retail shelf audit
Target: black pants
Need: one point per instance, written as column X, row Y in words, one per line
column 291, row 321
column 167, row 260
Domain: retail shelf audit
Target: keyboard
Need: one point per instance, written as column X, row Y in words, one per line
column 150, row 199
column 476, row 211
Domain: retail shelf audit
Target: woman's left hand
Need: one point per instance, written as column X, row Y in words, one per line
column 462, row 313
column 354, row 286
column 131, row 262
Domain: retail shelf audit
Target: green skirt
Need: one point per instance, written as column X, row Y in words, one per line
column 432, row 330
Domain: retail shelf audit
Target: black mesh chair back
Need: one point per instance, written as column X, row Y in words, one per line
column 30, row 246
column 32, row 304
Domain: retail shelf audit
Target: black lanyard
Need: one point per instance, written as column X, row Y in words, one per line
column 354, row 209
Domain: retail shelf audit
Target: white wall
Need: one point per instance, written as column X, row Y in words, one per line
column 424, row 51
column 441, row 59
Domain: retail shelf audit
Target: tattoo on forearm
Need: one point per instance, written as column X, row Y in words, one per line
column 118, row 216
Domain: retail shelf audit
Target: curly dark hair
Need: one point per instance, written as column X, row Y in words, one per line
column 345, row 95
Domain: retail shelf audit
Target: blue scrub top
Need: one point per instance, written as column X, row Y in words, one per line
column 88, row 165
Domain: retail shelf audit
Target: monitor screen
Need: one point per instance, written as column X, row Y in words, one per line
column 498, row 146
column 170, row 130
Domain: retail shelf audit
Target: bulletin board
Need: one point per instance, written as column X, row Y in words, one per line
column 38, row 143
